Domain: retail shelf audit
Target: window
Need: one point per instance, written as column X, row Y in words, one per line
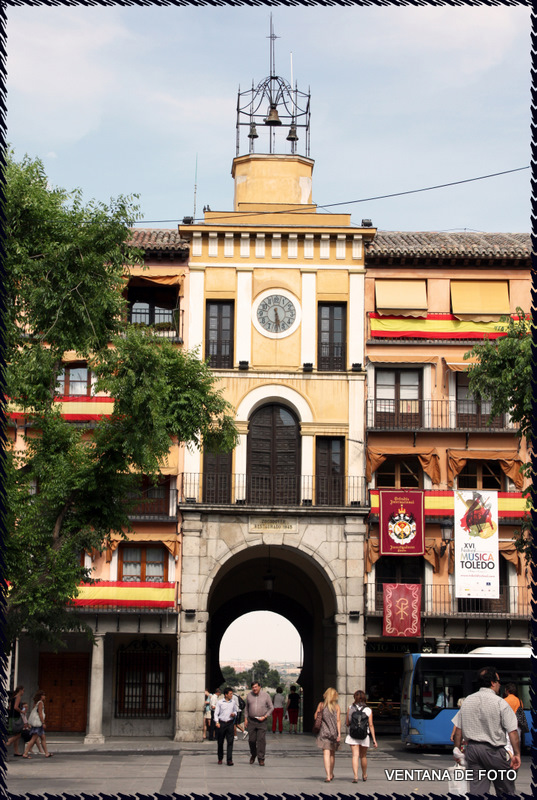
column 329, row 471
column 397, row 398
column 470, row 413
column 487, row 475
column 219, row 334
column 143, row 563
column 217, row 477
column 151, row 499
column 143, row 684
column 273, row 456
column 332, row 337
column 397, row 569
column 75, row 381
column 400, row 473
column 155, row 307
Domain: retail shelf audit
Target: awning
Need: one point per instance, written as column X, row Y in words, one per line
column 169, row 541
column 428, row 458
column 460, row 366
column 509, row 461
column 481, row 301
column 402, row 298
column 409, row 358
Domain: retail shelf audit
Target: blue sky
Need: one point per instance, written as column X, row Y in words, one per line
column 122, row 100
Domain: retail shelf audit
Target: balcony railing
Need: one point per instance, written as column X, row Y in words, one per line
column 410, row 415
column 273, row 490
column 438, row 600
column 165, row 323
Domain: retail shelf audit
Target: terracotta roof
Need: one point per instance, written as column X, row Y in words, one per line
column 158, row 239
column 450, row 245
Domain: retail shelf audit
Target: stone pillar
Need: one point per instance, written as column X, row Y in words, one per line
column 95, row 723
column 442, row 645
column 192, row 639
column 351, row 623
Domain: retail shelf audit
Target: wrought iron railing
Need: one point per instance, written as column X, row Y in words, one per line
column 389, row 415
column 166, row 323
column 273, row 490
column 219, row 353
column 438, row 600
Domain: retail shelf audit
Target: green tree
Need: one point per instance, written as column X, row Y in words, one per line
column 273, row 678
column 260, row 671
column 230, row 676
column 502, row 376
column 64, row 267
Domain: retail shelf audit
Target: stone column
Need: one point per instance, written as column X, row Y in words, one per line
column 95, row 723
column 354, row 663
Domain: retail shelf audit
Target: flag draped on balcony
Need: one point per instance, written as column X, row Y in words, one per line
column 402, row 609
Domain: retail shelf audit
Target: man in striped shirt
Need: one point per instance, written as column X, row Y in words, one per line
column 486, row 721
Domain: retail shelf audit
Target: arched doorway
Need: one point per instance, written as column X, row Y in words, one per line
column 274, row 456
column 302, row 593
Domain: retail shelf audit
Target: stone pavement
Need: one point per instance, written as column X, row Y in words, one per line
column 294, row 765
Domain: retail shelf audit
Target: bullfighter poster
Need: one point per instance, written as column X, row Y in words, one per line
column 476, row 544
column 401, row 523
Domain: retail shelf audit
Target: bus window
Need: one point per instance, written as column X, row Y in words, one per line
column 434, row 691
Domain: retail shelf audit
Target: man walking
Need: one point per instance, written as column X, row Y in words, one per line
column 224, row 718
column 486, row 722
column 258, row 708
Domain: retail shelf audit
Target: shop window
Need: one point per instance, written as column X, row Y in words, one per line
column 397, row 398
column 75, row 381
column 142, row 563
column 219, row 334
column 332, row 337
column 143, row 683
column 486, row 475
column 400, row 473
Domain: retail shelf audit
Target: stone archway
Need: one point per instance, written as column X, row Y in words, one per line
column 317, row 559
column 302, row 594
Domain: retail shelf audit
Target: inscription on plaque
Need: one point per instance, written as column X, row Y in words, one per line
column 273, row 525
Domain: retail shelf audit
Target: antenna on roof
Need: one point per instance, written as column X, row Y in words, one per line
column 195, row 186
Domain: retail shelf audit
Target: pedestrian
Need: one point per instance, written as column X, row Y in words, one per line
column 484, row 720
column 360, row 744
column 239, row 724
column 26, row 735
column 511, row 697
column 224, row 719
column 15, row 723
column 329, row 736
column 459, row 704
column 37, row 725
column 277, row 714
column 206, row 714
column 258, row 707
column 293, row 705
column 212, row 727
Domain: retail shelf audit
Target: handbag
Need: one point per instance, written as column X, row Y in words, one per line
column 521, row 720
column 317, row 724
column 34, row 719
column 26, row 735
column 17, row 725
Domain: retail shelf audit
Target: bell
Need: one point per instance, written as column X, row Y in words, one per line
column 292, row 135
column 253, row 131
column 273, row 118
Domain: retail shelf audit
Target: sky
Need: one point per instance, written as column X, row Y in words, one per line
column 142, row 100
column 126, row 100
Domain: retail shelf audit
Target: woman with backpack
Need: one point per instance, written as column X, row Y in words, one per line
column 360, row 725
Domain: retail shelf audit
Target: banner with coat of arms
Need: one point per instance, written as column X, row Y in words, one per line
column 401, row 523
column 402, row 609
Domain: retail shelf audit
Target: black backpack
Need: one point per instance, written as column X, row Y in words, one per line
column 242, row 704
column 359, row 725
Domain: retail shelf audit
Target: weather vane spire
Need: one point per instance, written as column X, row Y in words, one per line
column 272, row 38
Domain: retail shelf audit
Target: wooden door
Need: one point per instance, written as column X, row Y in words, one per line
column 273, row 457
column 64, row 679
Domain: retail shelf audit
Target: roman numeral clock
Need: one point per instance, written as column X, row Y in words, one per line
column 276, row 314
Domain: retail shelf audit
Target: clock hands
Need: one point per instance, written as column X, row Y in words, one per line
column 276, row 318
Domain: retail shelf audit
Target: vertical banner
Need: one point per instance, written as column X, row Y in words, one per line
column 402, row 609
column 401, row 523
column 477, row 571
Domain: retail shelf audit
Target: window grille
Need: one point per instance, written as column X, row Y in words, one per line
column 143, row 680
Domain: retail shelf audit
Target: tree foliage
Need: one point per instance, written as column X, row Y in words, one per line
column 503, row 376
column 65, row 275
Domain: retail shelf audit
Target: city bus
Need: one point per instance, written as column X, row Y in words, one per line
column 433, row 683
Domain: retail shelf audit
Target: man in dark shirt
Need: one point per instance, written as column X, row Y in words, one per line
column 258, row 708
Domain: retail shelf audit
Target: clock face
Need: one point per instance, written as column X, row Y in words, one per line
column 276, row 314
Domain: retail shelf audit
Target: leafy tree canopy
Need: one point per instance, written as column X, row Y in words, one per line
column 69, row 489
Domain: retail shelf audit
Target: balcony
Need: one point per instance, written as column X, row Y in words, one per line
column 273, row 490
column 432, row 415
column 126, row 596
column 166, row 323
column 152, row 503
column 438, row 600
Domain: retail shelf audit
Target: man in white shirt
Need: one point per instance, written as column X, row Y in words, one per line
column 214, row 700
column 224, row 718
